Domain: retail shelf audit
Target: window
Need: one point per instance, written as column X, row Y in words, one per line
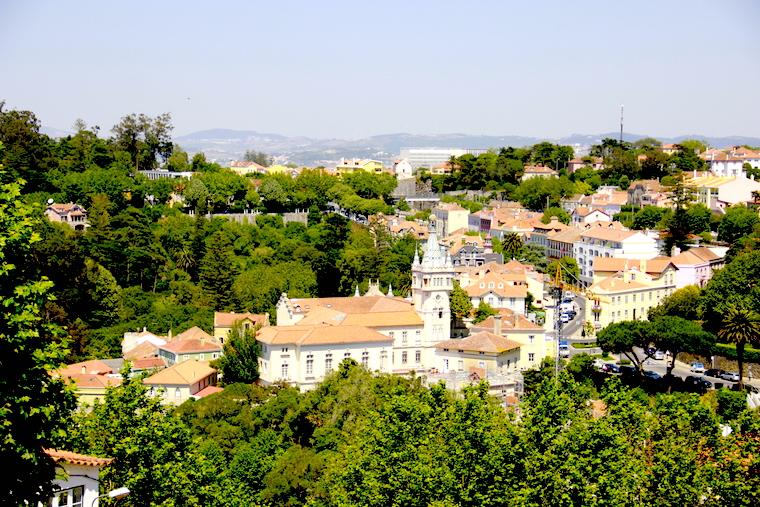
column 445, row 365
column 481, row 364
column 531, row 356
column 417, row 337
column 203, row 357
column 391, row 334
column 365, row 359
column 531, row 338
column 328, row 363
column 417, row 356
column 383, row 358
column 490, row 285
column 177, row 392
column 285, row 371
column 404, row 336
column 403, row 357
column 310, row 364
column 284, row 350
column 460, row 365
column 214, row 355
column 511, row 301
column 346, row 355
column 634, row 296
column 70, row 497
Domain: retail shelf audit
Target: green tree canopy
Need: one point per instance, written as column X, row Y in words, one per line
column 739, row 221
column 240, row 358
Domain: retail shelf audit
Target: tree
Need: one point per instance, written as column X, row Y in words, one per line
column 740, row 327
column 218, row 271
column 739, row 221
column 511, row 245
column 483, row 311
column 461, row 306
column 736, row 285
column 678, row 228
column 35, row 407
column 555, row 211
column 683, row 302
column 649, row 217
column 624, row 337
column 240, row 360
column 677, row 335
column 273, row 196
column 145, row 139
column 569, row 267
column 26, row 153
column 258, row 157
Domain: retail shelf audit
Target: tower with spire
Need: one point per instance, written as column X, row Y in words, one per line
column 432, row 283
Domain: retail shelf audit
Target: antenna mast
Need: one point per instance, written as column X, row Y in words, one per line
column 621, row 124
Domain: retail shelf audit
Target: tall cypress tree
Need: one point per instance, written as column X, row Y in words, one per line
column 218, row 271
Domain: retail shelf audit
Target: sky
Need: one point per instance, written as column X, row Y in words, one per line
column 333, row 69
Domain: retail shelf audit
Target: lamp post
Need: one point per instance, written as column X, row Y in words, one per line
column 116, row 494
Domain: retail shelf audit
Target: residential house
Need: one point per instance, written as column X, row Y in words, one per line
column 450, row 217
column 245, row 167
column 498, row 291
column 177, row 383
column 513, row 273
column 538, row 171
column 73, row 215
column 482, row 352
column 475, row 255
column 402, row 169
column 403, row 227
column 670, row 148
column 560, row 243
column 348, row 166
column 541, row 232
column 583, row 215
column 611, row 240
column 132, row 340
column 303, row 354
column 697, row 265
column 628, row 295
column 92, row 378
column 730, row 162
column 644, row 192
column 595, row 163
column 77, row 482
column 193, row 344
column 224, row 321
column 720, row 192
column 535, row 345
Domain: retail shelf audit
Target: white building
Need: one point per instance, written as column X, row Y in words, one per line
column 611, row 241
column 78, row 485
column 385, row 333
column 429, row 157
column 720, row 192
column 697, row 265
column 402, row 169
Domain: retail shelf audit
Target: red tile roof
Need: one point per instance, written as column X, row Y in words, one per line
column 208, row 390
column 77, row 459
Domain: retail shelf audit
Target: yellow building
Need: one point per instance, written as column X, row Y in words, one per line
column 223, row 322
column 629, row 294
column 483, row 353
column 347, row 166
column 534, row 343
column 91, row 379
column 178, row 383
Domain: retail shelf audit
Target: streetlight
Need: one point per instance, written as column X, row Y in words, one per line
column 116, row 494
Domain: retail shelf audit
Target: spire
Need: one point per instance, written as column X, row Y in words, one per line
column 416, row 261
column 356, row 294
column 390, row 290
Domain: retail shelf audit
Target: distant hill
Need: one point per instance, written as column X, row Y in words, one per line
column 227, row 144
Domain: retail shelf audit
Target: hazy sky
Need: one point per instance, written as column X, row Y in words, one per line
column 352, row 69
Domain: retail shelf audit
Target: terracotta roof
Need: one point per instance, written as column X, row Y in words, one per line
column 319, row 334
column 480, row 342
column 227, row 319
column 246, row 164
column 191, row 345
column 583, row 211
column 93, row 366
column 208, row 390
column 77, row 459
column 616, row 283
column 93, row 381
column 449, row 206
column 608, row 234
column 650, row 185
column 350, row 304
column 148, row 363
column 194, row 333
column 510, row 321
column 184, row 373
column 145, row 349
column 711, row 181
column 612, row 264
column 570, row 235
column 507, row 289
column 538, row 169
column 696, row 255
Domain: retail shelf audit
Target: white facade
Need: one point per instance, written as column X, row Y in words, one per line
column 611, row 243
column 429, row 157
column 306, row 365
column 727, row 167
column 403, row 169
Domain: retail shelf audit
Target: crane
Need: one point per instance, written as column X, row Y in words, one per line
column 559, row 286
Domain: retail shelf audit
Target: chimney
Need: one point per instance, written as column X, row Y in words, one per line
column 497, row 324
column 675, row 251
column 84, row 369
column 144, row 329
column 169, row 336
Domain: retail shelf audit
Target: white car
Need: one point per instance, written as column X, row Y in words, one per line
column 697, row 368
column 730, row 375
column 659, row 355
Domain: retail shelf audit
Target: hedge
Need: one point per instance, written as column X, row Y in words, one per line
column 728, row 351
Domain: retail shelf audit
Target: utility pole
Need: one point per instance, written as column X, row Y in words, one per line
column 621, row 125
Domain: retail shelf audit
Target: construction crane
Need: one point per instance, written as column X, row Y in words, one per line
column 559, row 287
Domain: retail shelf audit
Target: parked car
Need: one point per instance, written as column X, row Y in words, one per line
column 610, row 368
column 651, row 375
column 699, row 383
column 730, row 375
column 564, row 318
column 713, row 372
column 628, row 371
column 697, row 367
column 659, row 355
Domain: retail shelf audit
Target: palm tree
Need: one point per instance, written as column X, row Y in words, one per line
column 511, row 244
column 740, row 326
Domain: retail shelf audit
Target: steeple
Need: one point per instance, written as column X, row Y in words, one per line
column 416, row 261
column 390, row 290
column 356, row 294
